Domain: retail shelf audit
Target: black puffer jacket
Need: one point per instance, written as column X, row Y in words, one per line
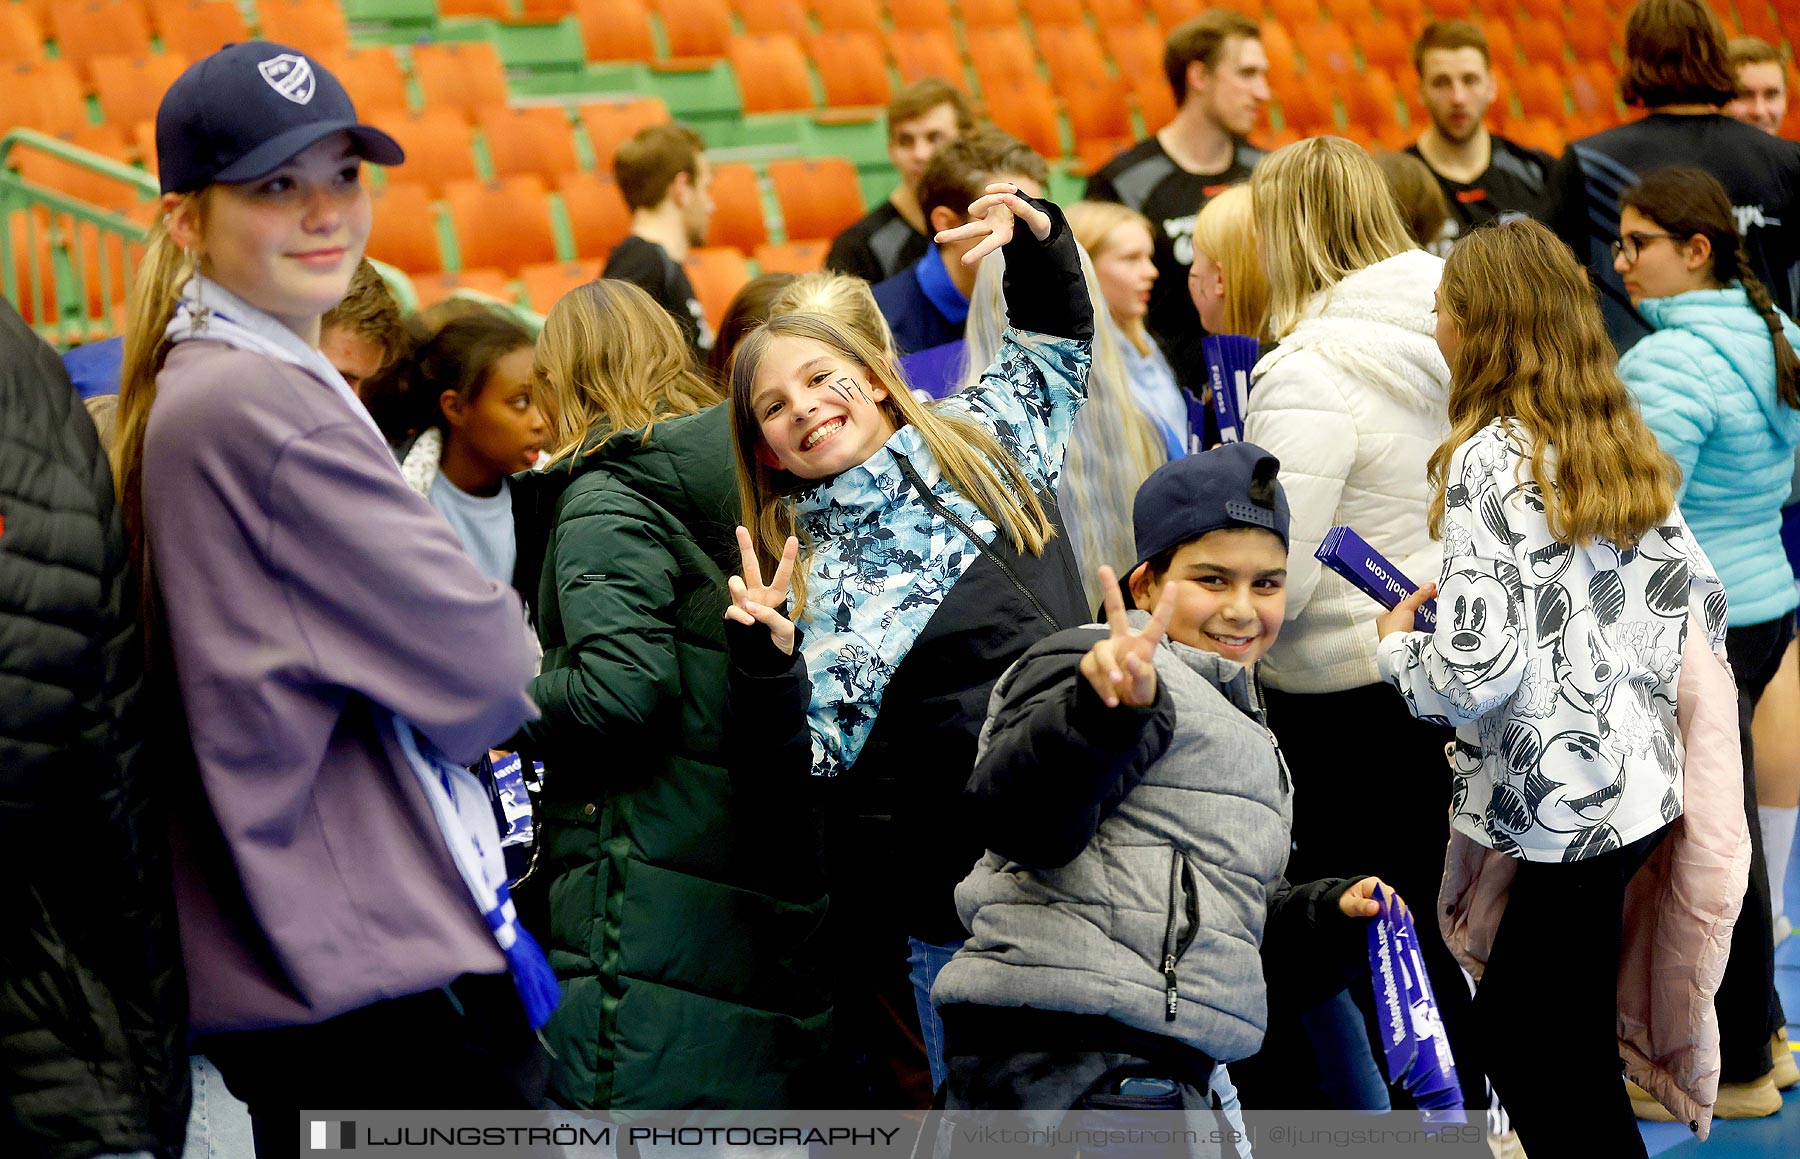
column 93, row 1008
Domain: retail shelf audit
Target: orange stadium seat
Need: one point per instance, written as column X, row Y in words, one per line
column 546, row 282
column 1136, row 47
column 598, row 217
column 926, row 52
column 544, row 11
column 530, row 141
column 1409, row 15
column 1296, row 13
column 1027, row 110
column 44, row 96
column 372, row 77
column 505, row 224
column 1541, row 92
column 852, row 69
column 1384, row 45
column 610, row 124
column 1071, row 53
column 21, row 37
column 1001, row 56
column 772, row 17
column 615, row 29
column 794, row 257
column 1278, row 45
column 848, row 15
column 695, row 27
column 1326, row 47
column 1539, row 9
column 1539, row 133
column 717, row 273
column 1542, row 40
column 436, row 143
column 1108, row 12
column 988, row 14
column 434, row 289
column 1595, row 39
column 1169, row 13
column 313, row 26
column 737, row 218
column 1155, row 103
column 143, row 140
column 1351, row 13
column 462, row 75
column 1453, row 9
column 1053, row 13
column 404, row 233
column 84, row 184
column 491, row 9
column 1757, row 19
column 921, row 14
column 1502, row 45
column 771, row 74
column 1098, row 117
column 93, row 28
column 1306, row 104
column 130, row 88
column 198, row 27
column 819, row 196
column 1371, row 100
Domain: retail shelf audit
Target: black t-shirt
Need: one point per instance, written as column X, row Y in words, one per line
column 1511, row 186
column 1761, row 173
column 1148, row 180
column 649, row 267
column 878, row 246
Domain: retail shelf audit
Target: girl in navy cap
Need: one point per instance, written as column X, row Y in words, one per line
column 342, row 900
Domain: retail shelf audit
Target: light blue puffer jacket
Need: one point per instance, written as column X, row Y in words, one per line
column 1706, row 382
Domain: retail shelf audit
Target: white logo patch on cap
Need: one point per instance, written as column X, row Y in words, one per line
column 289, row 75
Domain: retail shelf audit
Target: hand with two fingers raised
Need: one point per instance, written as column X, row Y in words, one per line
column 753, row 602
column 994, row 213
column 1122, row 667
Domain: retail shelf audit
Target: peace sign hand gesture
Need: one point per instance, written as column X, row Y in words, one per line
column 1122, row 667
column 753, row 603
column 994, row 214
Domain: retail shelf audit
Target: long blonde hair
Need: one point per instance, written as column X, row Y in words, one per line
column 970, row 458
column 1225, row 231
column 1534, row 348
column 1092, row 223
column 610, row 359
column 1113, row 446
column 149, row 307
column 842, row 296
column 1323, row 211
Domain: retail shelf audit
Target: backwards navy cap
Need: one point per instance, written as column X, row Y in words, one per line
column 1233, row 485
column 250, row 108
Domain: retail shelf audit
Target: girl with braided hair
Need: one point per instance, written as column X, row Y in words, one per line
column 1719, row 383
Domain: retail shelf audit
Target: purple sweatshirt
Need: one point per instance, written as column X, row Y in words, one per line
column 301, row 580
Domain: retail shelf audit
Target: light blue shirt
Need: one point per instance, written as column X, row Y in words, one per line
column 1153, row 386
column 484, row 525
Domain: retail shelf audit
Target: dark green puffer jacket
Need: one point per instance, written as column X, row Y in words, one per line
column 684, row 912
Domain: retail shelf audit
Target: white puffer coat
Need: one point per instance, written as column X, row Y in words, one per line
column 1353, row 402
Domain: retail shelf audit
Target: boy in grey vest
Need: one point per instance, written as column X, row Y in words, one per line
column 1136, row 811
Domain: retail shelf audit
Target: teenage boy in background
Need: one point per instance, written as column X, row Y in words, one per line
column 363, row 335
column 1219, row 73
column 927, row 303
column 665, row 179
column 1484, row 176
column 1762, row 98
column 922, row 118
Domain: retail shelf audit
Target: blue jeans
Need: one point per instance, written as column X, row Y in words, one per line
column 1346, row 1060
column 926, row 960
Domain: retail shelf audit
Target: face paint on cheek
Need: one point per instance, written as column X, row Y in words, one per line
column 848, row 388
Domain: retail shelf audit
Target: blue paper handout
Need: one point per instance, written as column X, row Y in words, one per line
column 1229, row 360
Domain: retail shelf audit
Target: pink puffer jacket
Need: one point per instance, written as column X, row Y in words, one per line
column 1679, row 909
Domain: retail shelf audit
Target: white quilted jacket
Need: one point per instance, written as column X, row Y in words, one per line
column 1353, row 402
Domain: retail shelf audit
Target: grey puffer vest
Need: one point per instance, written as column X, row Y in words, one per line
column 1158, row 922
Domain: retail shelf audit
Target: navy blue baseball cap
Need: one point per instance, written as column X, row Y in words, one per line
column 1232, row 485
column 250, row 108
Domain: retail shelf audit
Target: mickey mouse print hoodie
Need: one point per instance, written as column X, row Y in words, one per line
column 1558, row 664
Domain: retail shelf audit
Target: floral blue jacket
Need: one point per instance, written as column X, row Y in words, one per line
column 882, row 561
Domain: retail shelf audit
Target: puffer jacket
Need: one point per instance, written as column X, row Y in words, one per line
column 1353, row 402
column 93, row 1006
column 1705, row 380
column 684, row 915
column 1680, row 908
column 1135, row 856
